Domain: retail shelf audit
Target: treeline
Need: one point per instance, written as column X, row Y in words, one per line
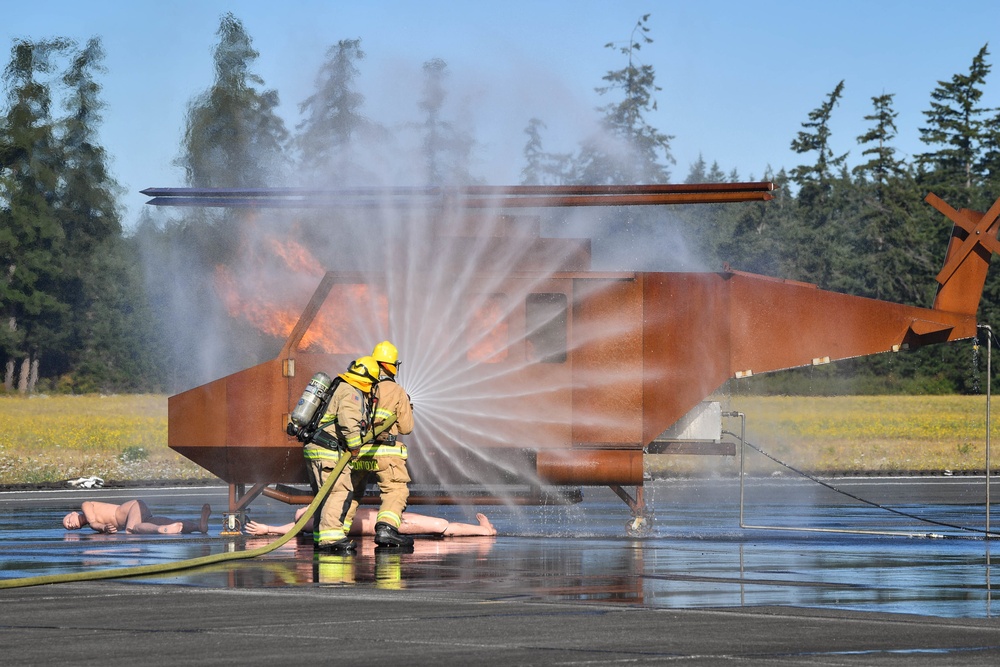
column 87, row 307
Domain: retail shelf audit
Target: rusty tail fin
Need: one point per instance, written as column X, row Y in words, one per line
column 973, row 242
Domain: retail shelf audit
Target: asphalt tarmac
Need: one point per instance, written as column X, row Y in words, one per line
column 897, row 571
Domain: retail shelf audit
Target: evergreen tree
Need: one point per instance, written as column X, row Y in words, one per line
column 542, row 168
column 698, row 172
column 329, row 134
column 107, row 348
column 234, row 137
column 821, row 236
column 745, row 237
column 759, row 240
column 88, row 209
column 815, row 181
column 955, row 130
column 988, row 167
column 716, row 175
column 122, row 349
column 882, row 168
column 446, row 150
column 89, row 199
column 632, row 150
column 894, row 247
column 32, row 241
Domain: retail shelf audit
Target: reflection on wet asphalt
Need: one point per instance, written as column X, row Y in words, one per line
column 923, row 552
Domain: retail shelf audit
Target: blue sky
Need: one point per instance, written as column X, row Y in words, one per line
column 738, row 78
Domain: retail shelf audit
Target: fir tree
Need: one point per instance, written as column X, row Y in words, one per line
column 893, row 246
column 815, row 180
column 446, row 150
column 541, row 167
column 330, row 137
column 32, row 241
column 631, row 150
column 955, row 131
column 234, row 137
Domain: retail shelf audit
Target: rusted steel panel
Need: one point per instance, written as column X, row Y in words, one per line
column 591, row 467
column 777, row 325
column 961, row 292
column 494, row 410
column 642, row 350
column 639, row 350
column 257, row 404
column 196, row 425
column 686, row 343
column 606, row 359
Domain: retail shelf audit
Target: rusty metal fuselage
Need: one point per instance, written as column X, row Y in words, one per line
column 587, row 369
column 677, row 337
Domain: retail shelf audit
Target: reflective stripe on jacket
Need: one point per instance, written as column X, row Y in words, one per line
column 373, row 449
column 313, row 452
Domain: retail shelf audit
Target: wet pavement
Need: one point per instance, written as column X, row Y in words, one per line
column 900, row 574
column 913, row 546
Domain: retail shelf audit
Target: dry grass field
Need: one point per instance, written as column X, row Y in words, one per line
column 851, row 433
column 49, row 439
column 53, row 438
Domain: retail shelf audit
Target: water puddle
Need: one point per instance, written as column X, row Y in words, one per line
column 696, row 556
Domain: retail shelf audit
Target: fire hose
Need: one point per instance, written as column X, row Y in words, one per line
column 160, row 568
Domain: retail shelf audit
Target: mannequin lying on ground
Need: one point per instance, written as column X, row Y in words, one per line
column 413, row 524
column 132, row 516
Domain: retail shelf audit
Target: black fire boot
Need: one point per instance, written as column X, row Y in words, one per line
column 386, row 535
column 340, row 547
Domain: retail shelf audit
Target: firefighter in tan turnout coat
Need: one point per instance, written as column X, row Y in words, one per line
column 342, row 428
column 386, row 456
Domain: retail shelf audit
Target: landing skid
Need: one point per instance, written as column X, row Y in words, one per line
column 641, row 523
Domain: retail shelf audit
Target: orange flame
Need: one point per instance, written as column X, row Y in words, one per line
column 262, row 294
column 346, row 320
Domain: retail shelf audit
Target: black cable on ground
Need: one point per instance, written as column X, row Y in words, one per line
column 871, row 503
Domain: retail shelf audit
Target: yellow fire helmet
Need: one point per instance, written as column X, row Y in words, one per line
column 362, row 373
column 387, row 357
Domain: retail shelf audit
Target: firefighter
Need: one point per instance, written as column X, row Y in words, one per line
column 385, row 457
column 346, row 419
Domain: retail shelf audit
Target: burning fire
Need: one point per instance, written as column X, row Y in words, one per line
column 272, row 288
column 343, row 323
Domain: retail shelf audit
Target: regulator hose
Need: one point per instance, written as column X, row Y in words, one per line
column 159, row 568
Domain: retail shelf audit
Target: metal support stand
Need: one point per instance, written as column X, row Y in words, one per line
column 800, row 529
column 989, row 374
column 989, row 377
column 239, row 498
column 641, row 523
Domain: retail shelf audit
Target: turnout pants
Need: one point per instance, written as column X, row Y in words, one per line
column 335, row 513
column 393, row 483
